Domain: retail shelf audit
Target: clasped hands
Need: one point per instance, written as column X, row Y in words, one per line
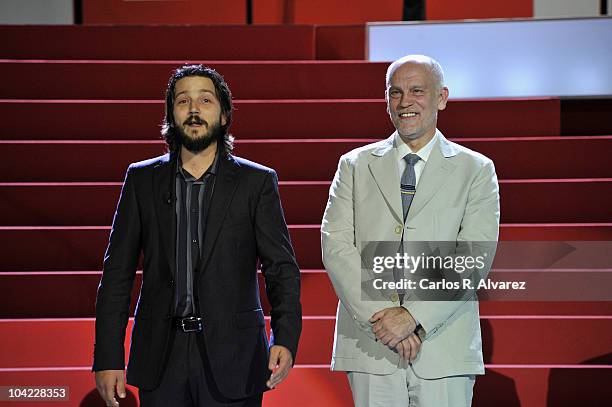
column 395, row 327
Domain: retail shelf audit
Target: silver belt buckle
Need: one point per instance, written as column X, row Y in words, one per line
column 191, row 324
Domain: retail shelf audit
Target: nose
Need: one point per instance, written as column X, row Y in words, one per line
column 406, row 100
column 193, row 108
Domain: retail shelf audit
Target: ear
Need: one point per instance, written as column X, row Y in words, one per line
column 223, row 119
column 443, row 98
column 388, row 101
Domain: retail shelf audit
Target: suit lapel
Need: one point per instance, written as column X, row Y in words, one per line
column 165, row 200
column 435, row 174
column 224, row 190
column 384, row 169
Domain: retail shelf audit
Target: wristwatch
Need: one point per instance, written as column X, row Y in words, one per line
column 420, row 332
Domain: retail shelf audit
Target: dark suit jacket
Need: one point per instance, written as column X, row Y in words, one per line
column 245, row 225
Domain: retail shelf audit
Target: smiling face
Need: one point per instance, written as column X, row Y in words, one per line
column 197, row 112
column 414, row 97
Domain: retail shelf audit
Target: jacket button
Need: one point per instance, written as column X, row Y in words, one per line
column 394, row 297
column 171, row 283
column 398, row 229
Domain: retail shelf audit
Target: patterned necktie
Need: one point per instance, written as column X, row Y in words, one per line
column 407, row 190
column 408, row 182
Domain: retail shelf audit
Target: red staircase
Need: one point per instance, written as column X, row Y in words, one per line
column 79, row 104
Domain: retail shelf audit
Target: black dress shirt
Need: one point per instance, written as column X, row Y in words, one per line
column 192, row 201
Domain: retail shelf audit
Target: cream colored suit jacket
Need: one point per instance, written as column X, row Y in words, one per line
column 457, row 199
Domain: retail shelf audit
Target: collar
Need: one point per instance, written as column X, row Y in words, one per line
column 402, row 148
column 212, row 170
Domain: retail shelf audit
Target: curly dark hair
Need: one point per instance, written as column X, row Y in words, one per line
column 168, row 131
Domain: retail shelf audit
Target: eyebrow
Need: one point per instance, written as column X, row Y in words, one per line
column 392, row 87
column 201, row 91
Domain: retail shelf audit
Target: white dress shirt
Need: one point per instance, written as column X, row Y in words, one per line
column 402, row 149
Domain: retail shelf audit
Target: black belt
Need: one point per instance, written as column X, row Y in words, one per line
column 189, row 324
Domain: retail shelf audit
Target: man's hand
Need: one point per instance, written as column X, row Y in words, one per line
column 409, row 347
column 280, row 363
column 392, row 325
column 107, row 381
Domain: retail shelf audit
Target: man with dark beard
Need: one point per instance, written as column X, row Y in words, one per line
column 203, row 219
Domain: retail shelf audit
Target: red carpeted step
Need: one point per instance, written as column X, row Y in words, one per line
column 64, row 79
column 586, row 116
column 514, row 158
column 340, row 41
column 337, row 11
column 522, row 157
column 306, row 386
column 79, row 381
column 120, row 13
column 68, row 342
column 57, row 294
column 555, row 231
column 82, row 247
column 558, row 201
column 19, row 336
column 544, row 385
column 492, row 308
column 65, row 204
column 549, row 341
column 315, row 118
column 72, row 295
column 561, row 201
column 209, row 42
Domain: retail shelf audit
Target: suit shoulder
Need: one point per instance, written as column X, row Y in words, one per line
column 150, row 163
column 252, row 166
column 468, row 154
column 363, row 151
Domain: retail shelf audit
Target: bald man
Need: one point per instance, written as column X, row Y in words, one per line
column 414, row 186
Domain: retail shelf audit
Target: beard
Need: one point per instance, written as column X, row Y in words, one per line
column 198, row 144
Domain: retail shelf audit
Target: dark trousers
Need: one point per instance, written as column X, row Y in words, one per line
column 187, row 382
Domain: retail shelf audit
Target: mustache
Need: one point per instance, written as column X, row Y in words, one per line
column 195, row 119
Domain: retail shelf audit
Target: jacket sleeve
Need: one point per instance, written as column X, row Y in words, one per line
column 341, row 256
column 119, row 270
column 479, row 231
column 279, row 266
